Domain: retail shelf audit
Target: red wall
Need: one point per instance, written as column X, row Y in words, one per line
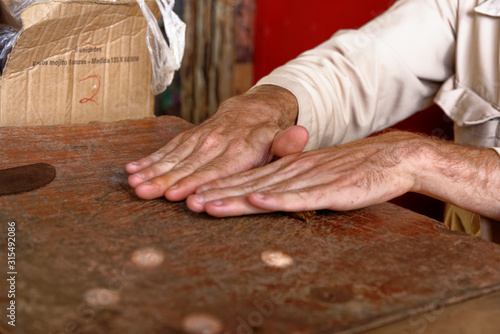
column 285, row 28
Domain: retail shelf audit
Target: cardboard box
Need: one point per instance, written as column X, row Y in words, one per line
column 77, row 62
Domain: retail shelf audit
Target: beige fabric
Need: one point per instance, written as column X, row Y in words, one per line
column 458, row 219
column 418, row 52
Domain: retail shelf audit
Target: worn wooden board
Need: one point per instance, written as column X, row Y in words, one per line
column 478, row 315
column 93, row 258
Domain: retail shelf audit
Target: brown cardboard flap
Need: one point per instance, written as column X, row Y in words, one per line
column 76, row 62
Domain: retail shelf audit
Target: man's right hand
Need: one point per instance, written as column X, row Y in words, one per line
column 246, row 132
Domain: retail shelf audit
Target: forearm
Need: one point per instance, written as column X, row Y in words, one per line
column 468, row 177
column 359, row 174
column 362, row 81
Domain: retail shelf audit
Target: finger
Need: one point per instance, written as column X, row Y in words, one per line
column 292, row 140
column 162, row 166
column 307, row 199
column 240, row 178
column 223, row 172
column 274, row 182
column 279, row 182
column 171, row 174
column 232, row 206
column 136, row 166
column 292, row 172
column 219, row 168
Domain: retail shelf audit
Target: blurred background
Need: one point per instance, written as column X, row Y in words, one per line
column 231, row 44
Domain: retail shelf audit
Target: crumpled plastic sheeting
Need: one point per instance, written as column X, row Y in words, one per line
column 165, row 58
column 8, row 37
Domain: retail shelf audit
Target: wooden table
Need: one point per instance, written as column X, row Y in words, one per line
column 91, row 257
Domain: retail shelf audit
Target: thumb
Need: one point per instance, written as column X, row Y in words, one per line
column 289, row 141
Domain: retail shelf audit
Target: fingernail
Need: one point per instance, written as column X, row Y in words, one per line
column 141, row 175
column 260, row 196
column 148, row 183
column 205, row 188
column 175, row 186
column 134, row 163
column 200, row 199
column 217, row 202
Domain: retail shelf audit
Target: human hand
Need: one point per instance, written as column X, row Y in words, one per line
column 344, row 177
column 246, row 132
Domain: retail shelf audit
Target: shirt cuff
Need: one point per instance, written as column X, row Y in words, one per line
column 305, row 113
column 497, row 149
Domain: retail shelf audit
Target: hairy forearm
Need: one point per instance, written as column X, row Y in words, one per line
column 468, row 177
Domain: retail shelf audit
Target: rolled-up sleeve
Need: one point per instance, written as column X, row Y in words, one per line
column 362, row 81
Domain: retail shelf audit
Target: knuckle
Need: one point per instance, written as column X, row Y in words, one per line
column 249, row 187
column 294, row 165
column 213, row 139
column 150, row 173
column 219, row 170
column 306, row 159
column 240, row 146
column 168, row 161
column 187, row 138
column 247, row 175
column 186, row 166
column 289, row 160
column 156, row 156
column 210, row 187
column 190, row 140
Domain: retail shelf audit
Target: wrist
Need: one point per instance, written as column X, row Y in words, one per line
column 280, row 100
column 421, row 162
column 416, row 154
column 464, row 176
column 263, row 104
column 439, row 164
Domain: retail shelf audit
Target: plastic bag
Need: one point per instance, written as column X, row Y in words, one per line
column 8, row 37
column 165, row 58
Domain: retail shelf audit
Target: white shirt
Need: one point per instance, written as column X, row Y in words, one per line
column 418, row 52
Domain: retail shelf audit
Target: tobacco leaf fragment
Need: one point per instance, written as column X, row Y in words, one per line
column 304, row 215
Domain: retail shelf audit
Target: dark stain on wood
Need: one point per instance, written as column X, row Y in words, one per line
column 20, row 179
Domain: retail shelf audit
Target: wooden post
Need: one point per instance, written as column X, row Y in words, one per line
column 218, row 55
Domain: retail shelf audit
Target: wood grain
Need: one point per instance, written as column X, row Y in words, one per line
column 218, row 57
column 94, row 258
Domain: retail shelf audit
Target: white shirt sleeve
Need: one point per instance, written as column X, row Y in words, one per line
column 361, row 81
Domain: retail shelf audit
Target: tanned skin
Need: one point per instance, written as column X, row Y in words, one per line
column 224, row 166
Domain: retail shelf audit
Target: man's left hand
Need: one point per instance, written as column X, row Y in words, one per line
column 343, row 177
